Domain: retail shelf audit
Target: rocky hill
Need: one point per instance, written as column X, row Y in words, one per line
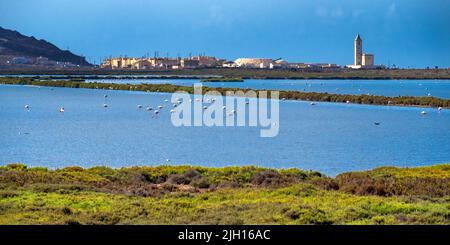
column 14, row 44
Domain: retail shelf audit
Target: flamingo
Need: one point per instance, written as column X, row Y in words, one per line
column 104, row 103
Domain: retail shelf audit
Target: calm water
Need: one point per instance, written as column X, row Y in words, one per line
column 330, row 138
column 436, row 88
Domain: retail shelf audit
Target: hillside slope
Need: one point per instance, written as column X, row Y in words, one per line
column 12, row 43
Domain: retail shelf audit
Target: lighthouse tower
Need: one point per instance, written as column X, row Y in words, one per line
column 358, row 50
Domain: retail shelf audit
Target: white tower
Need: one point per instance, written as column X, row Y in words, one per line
column 358, row 50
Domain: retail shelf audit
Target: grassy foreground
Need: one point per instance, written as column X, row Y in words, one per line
column 229, row 195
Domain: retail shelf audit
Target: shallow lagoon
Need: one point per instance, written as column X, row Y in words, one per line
column 328, row 137
column 436, row 88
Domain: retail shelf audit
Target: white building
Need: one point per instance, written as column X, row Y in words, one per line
column 367, row 60
column 229, row 64
column 362, row 60
column 254, row 62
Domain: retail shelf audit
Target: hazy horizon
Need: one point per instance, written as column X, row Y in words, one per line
column 406, row 33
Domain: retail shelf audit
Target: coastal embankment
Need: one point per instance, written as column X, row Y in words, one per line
column 247, row 73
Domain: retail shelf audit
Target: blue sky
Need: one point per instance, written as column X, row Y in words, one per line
column 414, row 33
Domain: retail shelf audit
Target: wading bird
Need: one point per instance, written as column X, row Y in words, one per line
column 104, row 103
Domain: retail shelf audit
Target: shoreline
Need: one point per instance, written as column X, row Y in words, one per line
column 199, row 77
column 423, row 102
column 346, row 74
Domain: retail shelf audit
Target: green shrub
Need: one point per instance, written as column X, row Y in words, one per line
column 200, row 182
column 17, row 166
column 364, row 184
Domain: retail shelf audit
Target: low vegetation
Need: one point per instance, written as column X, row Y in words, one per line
column 307, row 73
column 229, row 195
column 290, row 95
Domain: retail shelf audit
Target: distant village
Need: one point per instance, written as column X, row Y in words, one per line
column 362, row 61
column 40, row 61
column 202, row 61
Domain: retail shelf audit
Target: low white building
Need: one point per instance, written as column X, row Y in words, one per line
column 229, row 64
column 254, row 62
column 367, row 60
column 280, row 63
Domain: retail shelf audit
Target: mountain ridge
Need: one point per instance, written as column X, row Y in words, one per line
column 13, row 43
